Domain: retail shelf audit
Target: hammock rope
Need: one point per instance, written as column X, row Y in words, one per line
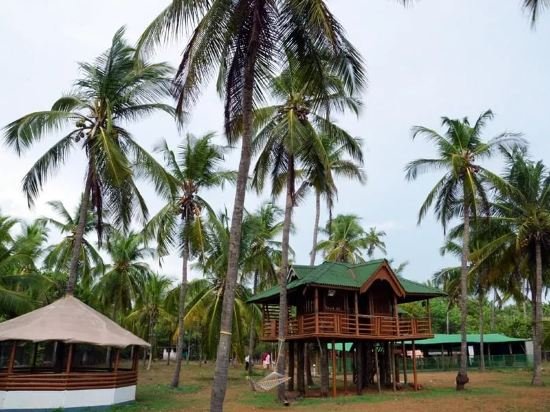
column 272, row 380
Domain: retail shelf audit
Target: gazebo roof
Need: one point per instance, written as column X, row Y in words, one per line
column 71, row 321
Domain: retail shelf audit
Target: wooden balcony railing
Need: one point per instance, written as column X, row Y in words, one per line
column 327, row 324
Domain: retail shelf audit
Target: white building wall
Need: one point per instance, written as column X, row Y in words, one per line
column 14, row 400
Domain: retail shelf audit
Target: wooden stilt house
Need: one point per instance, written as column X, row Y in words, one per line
column 349, row 303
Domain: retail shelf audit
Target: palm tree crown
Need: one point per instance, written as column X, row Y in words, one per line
column 348, row 240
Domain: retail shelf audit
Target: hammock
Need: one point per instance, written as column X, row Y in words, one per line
column 272, row 380
column 268, row 382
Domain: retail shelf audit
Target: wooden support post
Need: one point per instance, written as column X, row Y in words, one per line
column 404, row 362
column 300, row 380
column 34, row 350
column 117, row 359
column 359, row 361
column 344, row 368
column 396, row 315
column 392, row 364
column 415, row 381
column 428, row 313
column 135, row 358
column 11, row 359
column 316, row 311
column 357, row 313
column 333, row 369
column 69, row 358
column 291, row 351
column 377, row 366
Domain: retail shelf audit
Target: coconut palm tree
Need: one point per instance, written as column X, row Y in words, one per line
column 535, row 7
column 374, row 241
column 19, row 264
column 263, row 254
column 347, row 240
column 322, row 178
column 522, row 205
column 206, row 295
column 150, row 309
column 245, row 41
column 193, row 169
column 58, row 256
column 116, row 88
column 460, row 192
column 120, row 287
column 289, row 139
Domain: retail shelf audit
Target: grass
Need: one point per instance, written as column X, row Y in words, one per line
column 506, row 391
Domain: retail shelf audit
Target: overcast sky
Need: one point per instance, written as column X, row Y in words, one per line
column 437, row 58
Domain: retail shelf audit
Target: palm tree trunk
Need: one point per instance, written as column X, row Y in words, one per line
column 79, row 235
column 181, row 312
column 219, row 385
column 538, row 327
column 481, row 321
column 313, row 253
column 283, row 306
column 151, row 341
column 462, row 376
column 252, row 337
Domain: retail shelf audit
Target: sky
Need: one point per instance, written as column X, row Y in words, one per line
column 434, row 58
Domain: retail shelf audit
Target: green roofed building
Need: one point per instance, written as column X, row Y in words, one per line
column 341, row 303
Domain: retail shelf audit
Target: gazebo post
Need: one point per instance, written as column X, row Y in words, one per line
column 34, row 350
column 69, row 358
column 12, row 357
column 135, row 358
column 117, row 359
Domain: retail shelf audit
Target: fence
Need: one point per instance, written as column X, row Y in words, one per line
column 446, row 363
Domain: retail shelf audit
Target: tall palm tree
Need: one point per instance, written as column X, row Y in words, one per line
column 150, row 309
column 206, row 294
column 535, row 7
column 116, row 88
column 58, row 256
column 522, row 205
column 289, row 139
column 193, row 169
column 120, row 287
column 322, row 178
column 461, row 190
column 19, row 264
column 374, row 241
column 263, row 254
column 347, row 240
column 245, row 41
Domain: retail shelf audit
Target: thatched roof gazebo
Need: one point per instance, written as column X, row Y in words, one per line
column 66, row 355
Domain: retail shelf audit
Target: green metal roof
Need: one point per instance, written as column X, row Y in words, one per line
column 443, row 339
column 343, row 275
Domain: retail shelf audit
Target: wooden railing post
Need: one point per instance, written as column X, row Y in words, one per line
column 317, row 311
column 357, row 313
